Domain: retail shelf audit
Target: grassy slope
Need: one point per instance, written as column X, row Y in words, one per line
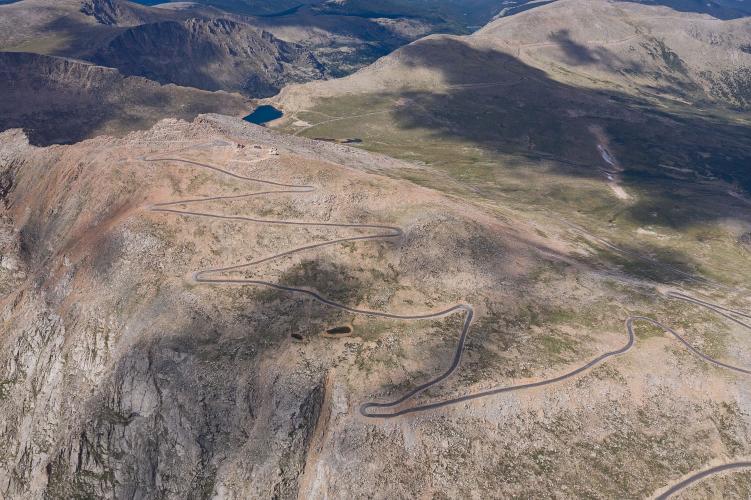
column 527, row 142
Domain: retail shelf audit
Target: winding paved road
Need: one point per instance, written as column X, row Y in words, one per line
column 394, row 408
column 382, row 232
column 695, row 478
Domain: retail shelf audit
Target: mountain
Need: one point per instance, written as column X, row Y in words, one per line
column 58, row 100
column 346, row 35
column 452, row 14
column 665, row 88
column 213, row 54
column 180, row 46
column 128, row 372
column 225, row 49
column 507, row 264
column 77, row 28
column 640, row 50
column 620, row 45
column 342, row 36
column 122, row 377
column 56, row 28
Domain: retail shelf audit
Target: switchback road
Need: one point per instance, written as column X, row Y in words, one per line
column 393, row 409
column 371, row 409
column 695, row 478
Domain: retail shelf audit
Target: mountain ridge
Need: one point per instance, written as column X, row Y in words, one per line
column 67, row 101
column 216, row 54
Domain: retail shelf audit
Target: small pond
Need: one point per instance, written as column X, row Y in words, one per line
column 263, row 114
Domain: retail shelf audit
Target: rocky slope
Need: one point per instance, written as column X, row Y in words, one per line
column 130, row 361
column 210, row 54
column 58, row 100
column 120, row 376
column 123, row 375
column 196, row 47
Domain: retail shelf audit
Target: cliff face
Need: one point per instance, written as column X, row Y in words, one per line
column 212, row 54
column 59, row 100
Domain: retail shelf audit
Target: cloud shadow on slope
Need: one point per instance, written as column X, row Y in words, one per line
column 502, row 105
